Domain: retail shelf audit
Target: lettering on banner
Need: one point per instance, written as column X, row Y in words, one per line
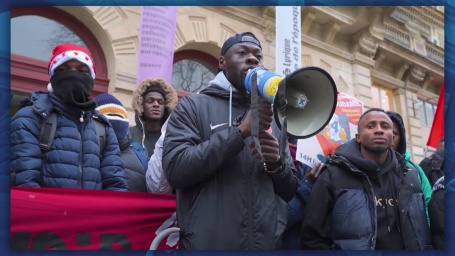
column 291, row 51
column 154, row 30
column 52, row 241
column 308, row 158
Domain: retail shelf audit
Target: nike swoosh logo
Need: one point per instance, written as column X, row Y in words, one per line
column 212, row 127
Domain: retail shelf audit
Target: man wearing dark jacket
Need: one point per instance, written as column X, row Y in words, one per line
column 436, row 211
column 399, row 145
column 366, row 199
column 73, row 160
column 226, row 197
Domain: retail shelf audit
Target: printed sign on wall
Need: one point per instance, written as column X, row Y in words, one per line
column 341, row 128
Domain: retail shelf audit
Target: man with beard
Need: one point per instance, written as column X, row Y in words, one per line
column 74, row 159
column 366, row 199
column 227, row 198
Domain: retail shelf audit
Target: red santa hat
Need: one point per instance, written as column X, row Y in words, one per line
column 65, row 52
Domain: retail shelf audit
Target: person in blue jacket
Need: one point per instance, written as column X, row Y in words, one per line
column 306, row 177
column 74, row 159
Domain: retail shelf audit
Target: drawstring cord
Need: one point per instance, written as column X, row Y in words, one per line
column 230, row 106
column 143, row 132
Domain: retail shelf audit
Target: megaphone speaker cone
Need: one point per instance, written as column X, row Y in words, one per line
column 311, row 98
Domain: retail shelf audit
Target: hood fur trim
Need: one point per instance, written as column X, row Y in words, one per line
column 170, row 100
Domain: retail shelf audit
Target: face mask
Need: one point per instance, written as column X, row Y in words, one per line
column 73, row 88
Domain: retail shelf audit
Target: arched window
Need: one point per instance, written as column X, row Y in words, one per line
column 34, row 33
column 192, row 71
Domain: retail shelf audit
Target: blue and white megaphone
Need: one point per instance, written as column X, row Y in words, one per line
column 310, row 95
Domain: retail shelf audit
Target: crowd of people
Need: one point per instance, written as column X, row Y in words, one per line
column 368, row 195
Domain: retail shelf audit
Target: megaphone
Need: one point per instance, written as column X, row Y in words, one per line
column 310, row 97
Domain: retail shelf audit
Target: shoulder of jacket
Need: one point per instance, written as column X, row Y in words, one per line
column 37, row 104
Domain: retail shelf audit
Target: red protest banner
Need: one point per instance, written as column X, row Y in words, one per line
column 53, row 218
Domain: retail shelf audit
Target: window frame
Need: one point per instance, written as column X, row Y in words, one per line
column 30, row 74
column 391, row 101
column 428, row 123
column 197, row 55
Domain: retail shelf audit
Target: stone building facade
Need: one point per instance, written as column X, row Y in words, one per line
column 388, row 57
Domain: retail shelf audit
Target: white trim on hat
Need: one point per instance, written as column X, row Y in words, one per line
column 111, row 117
column 106, row 109
column 70, row 55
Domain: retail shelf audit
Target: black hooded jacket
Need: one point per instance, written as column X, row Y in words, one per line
column 433, row 166
column 396, row 119
column 347, row 206
column 225, row 199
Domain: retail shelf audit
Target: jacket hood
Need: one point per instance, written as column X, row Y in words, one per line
column 221, row 87
column 171, row 98
column 40, row 102
column 351, row 151
column 398, row 120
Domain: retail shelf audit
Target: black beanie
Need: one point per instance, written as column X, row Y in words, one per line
column 154, row 89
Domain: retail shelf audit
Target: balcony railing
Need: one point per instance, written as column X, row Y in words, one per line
column 399, row 37
column 402, row 38
column 434, row 54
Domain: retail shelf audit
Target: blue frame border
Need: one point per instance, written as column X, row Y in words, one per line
column 5, row 97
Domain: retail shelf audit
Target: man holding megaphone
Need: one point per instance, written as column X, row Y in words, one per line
column 229, row 195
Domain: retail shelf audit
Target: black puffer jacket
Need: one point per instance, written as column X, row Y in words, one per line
column 225, row 199
column 436, row 211
column 433, row 166
column 345, row 210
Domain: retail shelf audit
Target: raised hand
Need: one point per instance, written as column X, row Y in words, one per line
column 265, row 116
column 313, row 175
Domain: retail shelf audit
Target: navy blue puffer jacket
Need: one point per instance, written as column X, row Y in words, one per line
column 73, row 160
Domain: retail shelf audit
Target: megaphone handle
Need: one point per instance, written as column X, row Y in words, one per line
column 255, row 101
column 280, row 102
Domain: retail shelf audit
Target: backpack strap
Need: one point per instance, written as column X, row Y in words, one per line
column 142, row 159
column 47, row 133
column 46, row 137
column 101, row 132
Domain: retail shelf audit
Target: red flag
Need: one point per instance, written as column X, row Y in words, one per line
column 437, row 129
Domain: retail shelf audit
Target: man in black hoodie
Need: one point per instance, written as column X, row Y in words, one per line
column 366, row 199
column 228, row 198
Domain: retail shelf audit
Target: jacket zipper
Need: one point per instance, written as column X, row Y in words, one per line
column 81, row 119
column 80, row 164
